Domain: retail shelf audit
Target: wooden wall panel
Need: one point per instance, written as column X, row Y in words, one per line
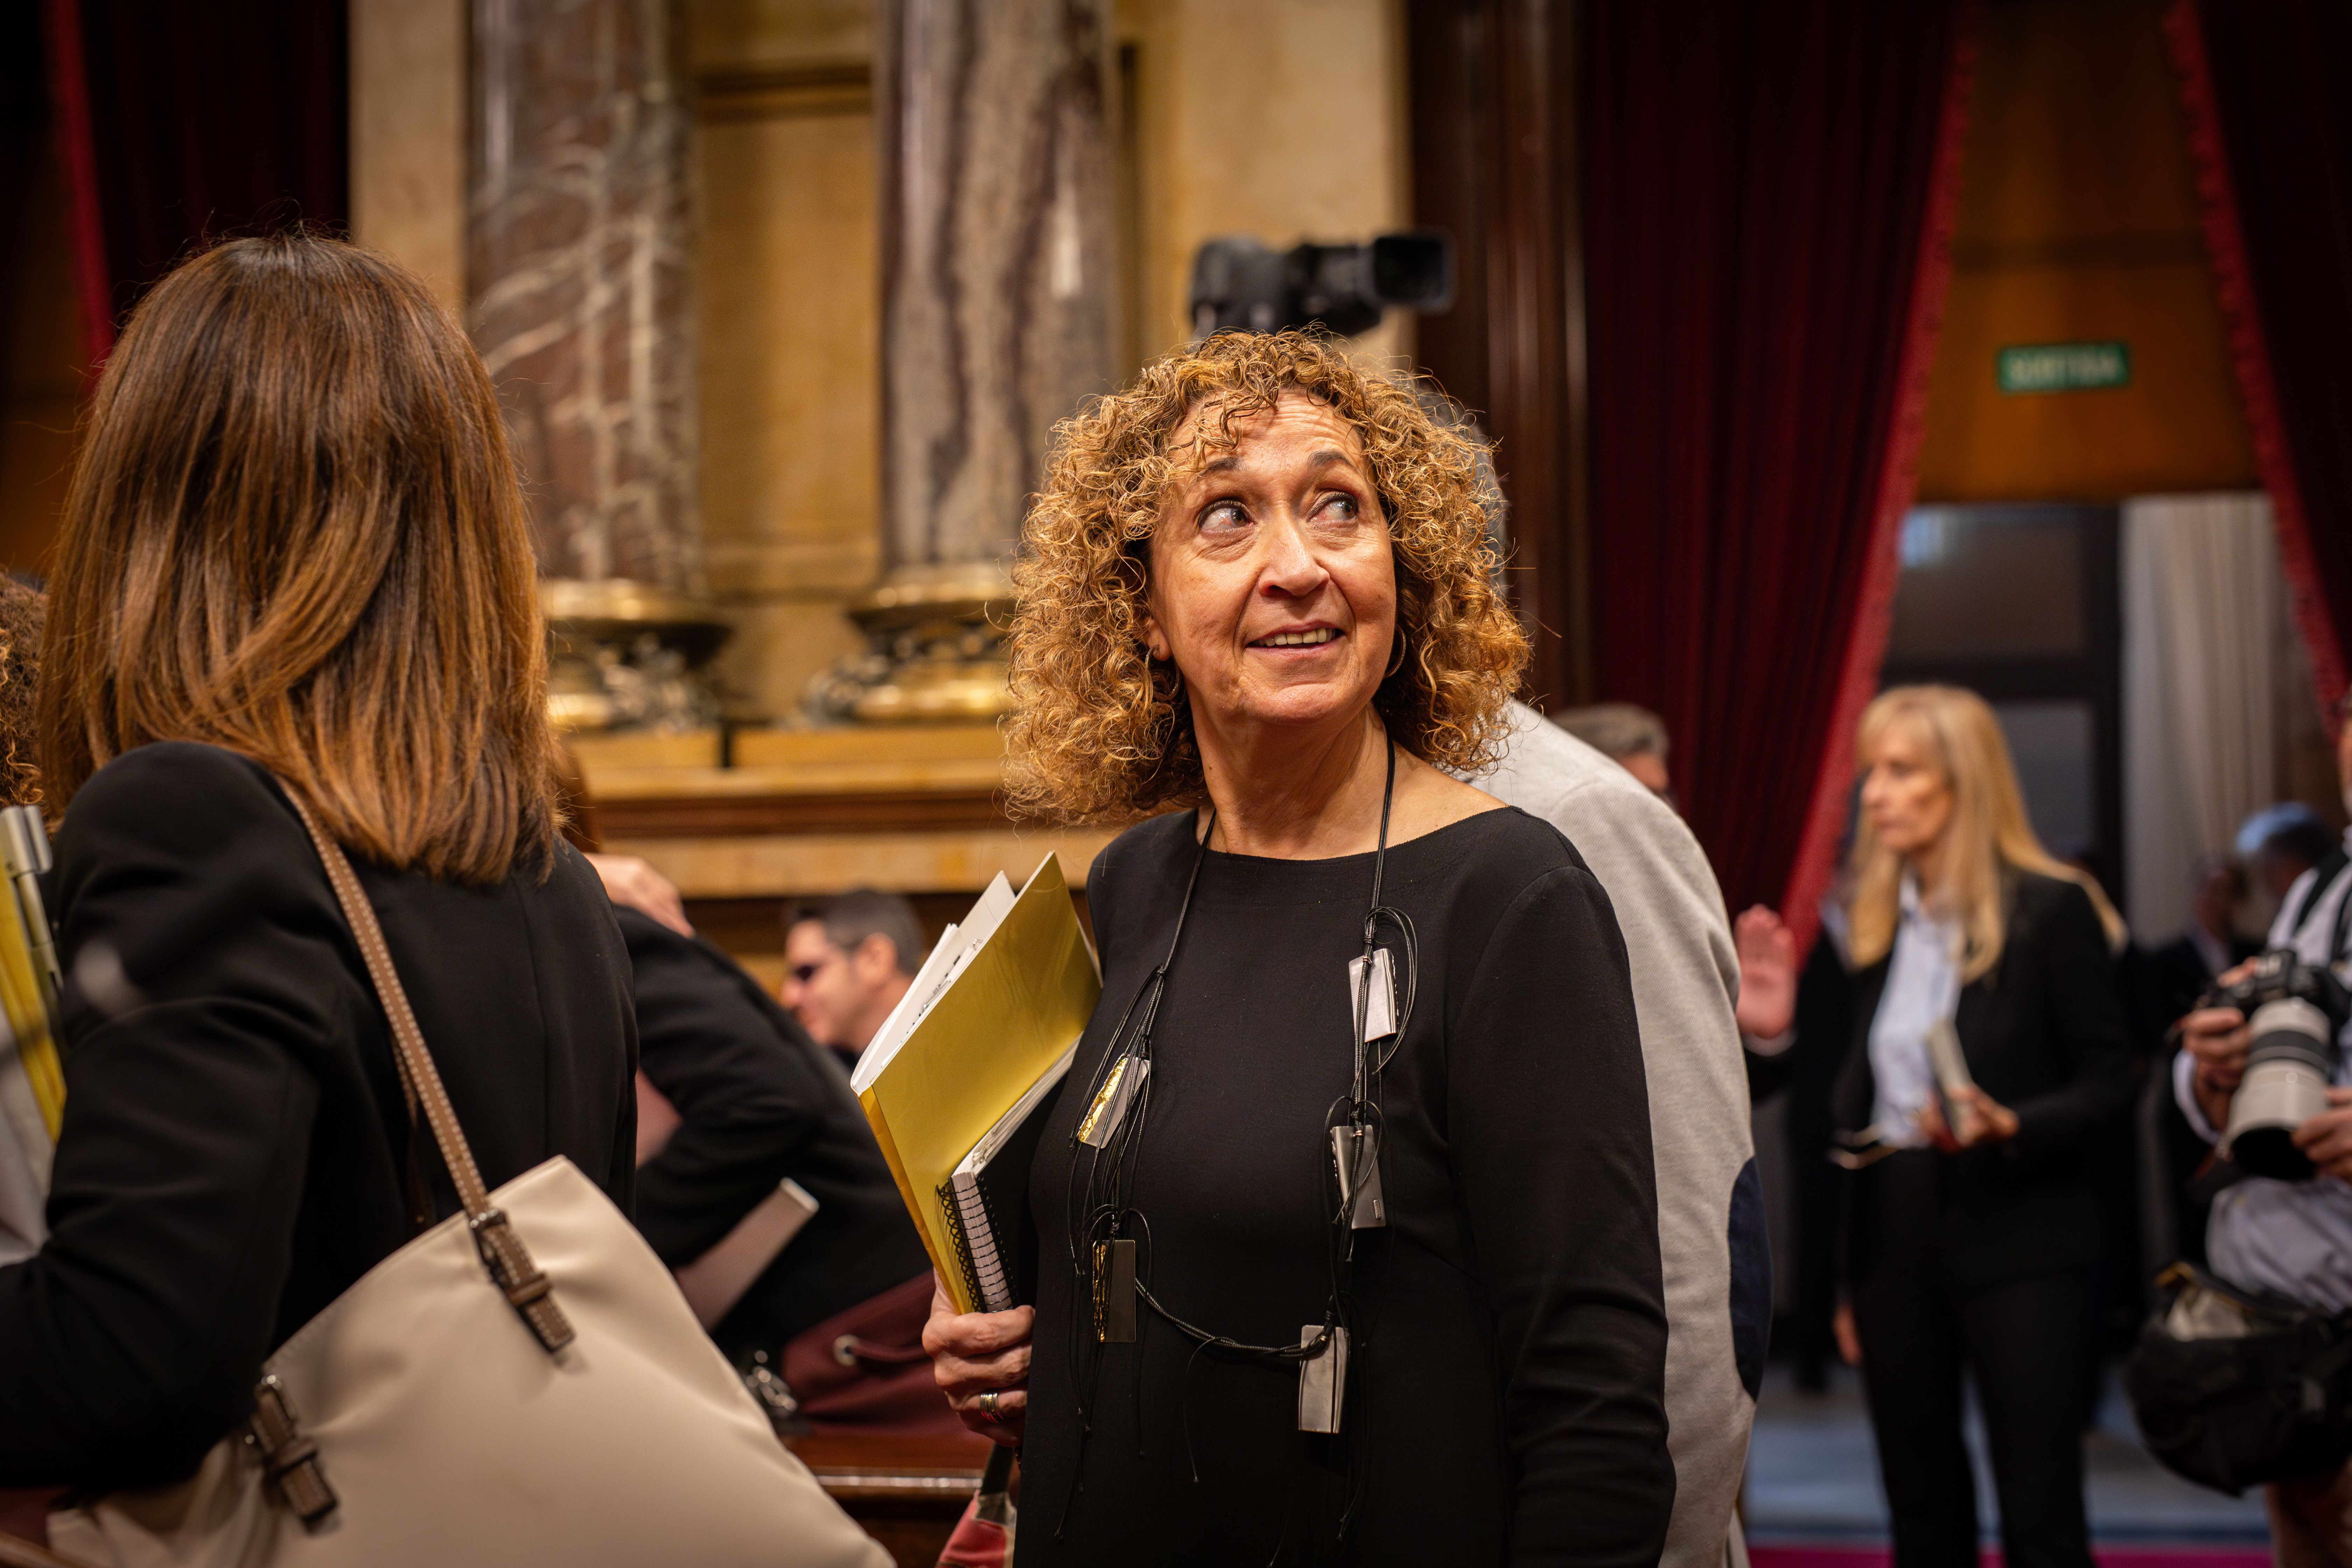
column 789, row 330
column 2078, row 223
column 1494, row 146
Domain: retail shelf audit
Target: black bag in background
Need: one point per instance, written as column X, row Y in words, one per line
column 2233, row 1388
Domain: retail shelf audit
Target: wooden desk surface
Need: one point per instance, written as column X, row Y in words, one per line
column 906, row 1492
column 883, row 1465
column 784, row 781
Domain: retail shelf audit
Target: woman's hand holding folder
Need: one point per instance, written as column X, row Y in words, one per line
column 976, row 1353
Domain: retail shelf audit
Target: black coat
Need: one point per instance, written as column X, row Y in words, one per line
column 235, row 1136
column 758, row 1103
column 2175, row 976
column 2043, row 1034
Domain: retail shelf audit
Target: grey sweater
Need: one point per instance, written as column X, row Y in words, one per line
column 1685, row 980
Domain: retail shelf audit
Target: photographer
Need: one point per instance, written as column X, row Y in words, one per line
column 2291, row 1237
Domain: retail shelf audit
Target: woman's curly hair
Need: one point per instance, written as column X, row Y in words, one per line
column 1100, row 730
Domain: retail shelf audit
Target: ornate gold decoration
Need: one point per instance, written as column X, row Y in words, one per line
column 936, row 652
column 627, row 655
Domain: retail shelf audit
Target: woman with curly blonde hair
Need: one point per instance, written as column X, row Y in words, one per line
column 1347, row 1238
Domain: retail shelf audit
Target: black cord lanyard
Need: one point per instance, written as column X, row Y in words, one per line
column 1107, row 1215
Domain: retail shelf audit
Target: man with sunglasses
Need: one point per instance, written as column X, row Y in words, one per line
column 846, row 964
column 761, row 1184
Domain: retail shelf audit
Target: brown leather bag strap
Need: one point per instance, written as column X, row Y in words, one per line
column 502, row 1250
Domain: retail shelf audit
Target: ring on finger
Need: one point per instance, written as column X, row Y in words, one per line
column 987, row 1403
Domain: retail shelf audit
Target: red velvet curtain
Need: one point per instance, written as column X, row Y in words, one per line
column 2267, row 85
column 1768, row 198
column 184, row 120
column 23, row 132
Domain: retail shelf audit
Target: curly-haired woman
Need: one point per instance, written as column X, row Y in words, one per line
column 1257, row 586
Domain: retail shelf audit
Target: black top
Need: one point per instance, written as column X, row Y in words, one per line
column 1505, row 1400
column 235, row 1138
column 2043, row 1034
column 759, row 1102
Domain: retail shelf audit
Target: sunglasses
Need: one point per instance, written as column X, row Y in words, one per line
column 803, row 973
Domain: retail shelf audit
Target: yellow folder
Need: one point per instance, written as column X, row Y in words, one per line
column 1018, row 1003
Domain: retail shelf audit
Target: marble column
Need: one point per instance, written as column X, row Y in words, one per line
column 578, row 267
column 409, row 181
column 997, row 269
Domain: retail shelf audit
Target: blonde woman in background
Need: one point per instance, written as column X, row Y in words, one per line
column 1973, row 1221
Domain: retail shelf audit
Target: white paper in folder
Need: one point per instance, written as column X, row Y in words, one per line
column 1953, row 1079
column 1951, row 1064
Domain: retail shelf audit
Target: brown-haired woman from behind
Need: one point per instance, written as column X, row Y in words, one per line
column 293, row 563
column 1973, row 1217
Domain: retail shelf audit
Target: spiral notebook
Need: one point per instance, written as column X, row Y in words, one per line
column 987, row 1197
column 32, row 1080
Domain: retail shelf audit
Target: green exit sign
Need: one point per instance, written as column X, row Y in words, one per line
column 2063, row 367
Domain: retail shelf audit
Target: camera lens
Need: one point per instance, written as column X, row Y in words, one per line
column 2287, row 1072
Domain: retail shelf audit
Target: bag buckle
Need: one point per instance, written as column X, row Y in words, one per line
column 289, row 1460
column 772, row 1394
column 528, row 1291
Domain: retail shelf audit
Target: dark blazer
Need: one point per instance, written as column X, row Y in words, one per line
column 2043, row 1034
column 2178, row 1172
column 2175, row 976
column 758, row 1101
column 235, row 1140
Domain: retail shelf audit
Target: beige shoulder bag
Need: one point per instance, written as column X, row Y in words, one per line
column 473, row 1401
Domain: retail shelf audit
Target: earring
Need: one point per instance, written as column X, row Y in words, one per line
column 1398, row 662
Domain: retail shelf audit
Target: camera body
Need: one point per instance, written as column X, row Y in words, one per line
column 2296, row 1010
column 1240, row 283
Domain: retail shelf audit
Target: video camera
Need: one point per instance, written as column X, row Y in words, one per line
column 1240, row 283
column 2295, row 1010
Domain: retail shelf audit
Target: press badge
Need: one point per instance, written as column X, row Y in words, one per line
column 1322, row 1380
column 1356, row 1151
column 1379, row 1012
column 1114, row 1291
column 1119, row 1092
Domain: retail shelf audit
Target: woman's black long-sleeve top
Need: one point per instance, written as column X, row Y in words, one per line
column 235, row 1140
column 2045, row 1035
column 1505, row 1398
column 758, row 1101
